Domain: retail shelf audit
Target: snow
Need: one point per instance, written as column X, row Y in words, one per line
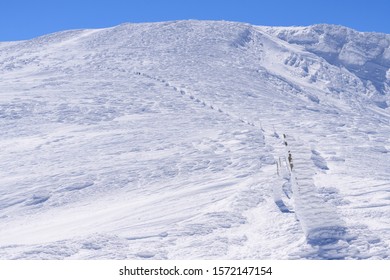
column 165, row 141
column 363, row 54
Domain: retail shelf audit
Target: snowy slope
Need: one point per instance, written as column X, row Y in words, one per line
column 165, row 141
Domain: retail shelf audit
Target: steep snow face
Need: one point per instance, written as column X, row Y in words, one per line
column 193, row 139
column 364, row 54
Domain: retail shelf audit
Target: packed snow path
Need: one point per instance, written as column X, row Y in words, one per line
column 319, row 221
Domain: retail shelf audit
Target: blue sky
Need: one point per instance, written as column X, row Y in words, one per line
column 25, row 19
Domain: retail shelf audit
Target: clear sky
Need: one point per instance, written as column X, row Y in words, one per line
column 25, row 19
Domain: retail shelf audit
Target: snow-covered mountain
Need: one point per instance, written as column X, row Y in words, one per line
column 196, row 140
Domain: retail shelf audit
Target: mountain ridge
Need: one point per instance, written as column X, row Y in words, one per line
column 363, row 66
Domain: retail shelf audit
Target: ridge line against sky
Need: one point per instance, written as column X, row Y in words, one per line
column 24, row 19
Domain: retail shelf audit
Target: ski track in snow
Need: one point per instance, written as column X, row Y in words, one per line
column 177, row 161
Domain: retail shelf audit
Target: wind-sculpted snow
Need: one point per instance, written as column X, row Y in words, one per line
column 367, row 55
column 165, row 141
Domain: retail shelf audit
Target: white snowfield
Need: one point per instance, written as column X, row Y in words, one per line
column 196, row 140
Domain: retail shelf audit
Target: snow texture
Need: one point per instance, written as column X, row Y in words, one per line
column 196, row 140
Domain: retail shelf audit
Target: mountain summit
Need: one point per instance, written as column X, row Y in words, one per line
column 196, row 140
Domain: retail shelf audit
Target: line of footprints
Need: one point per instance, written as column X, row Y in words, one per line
column 193, row 98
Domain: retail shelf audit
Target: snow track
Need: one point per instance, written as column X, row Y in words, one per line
column 320, row 222
column 195, row 99
column 328, row 234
